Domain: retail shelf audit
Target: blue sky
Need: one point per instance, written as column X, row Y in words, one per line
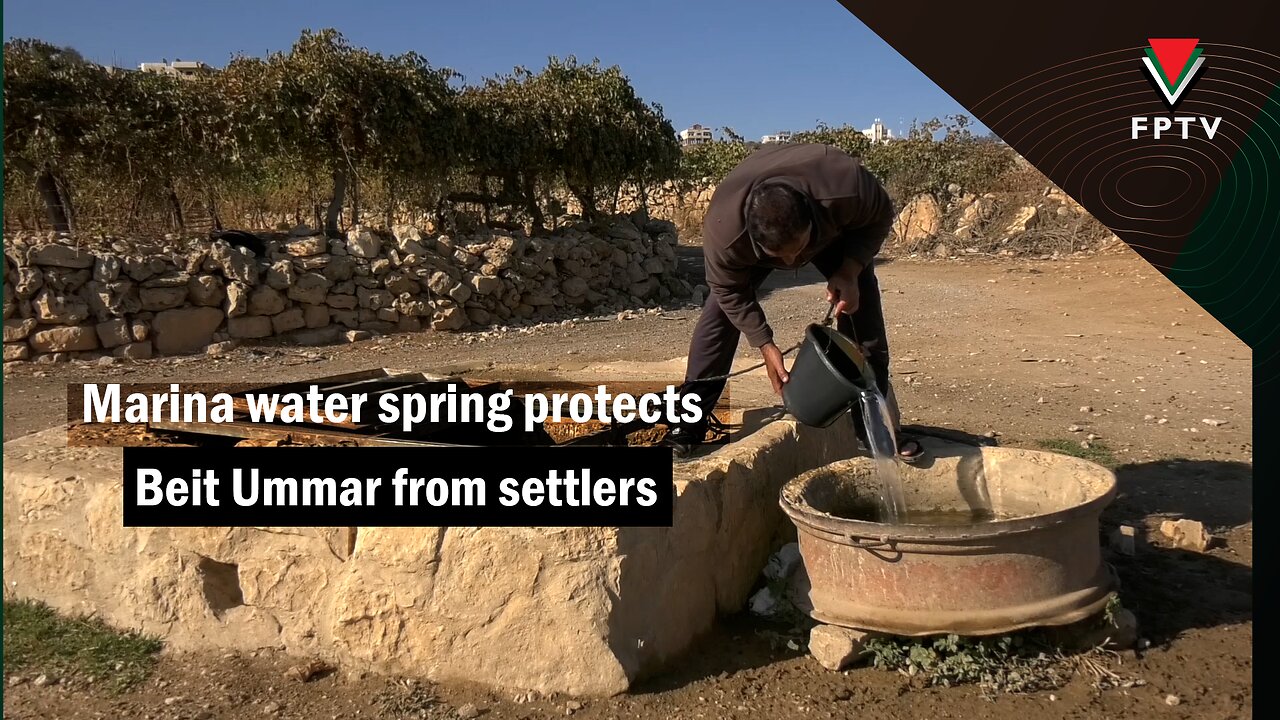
column 755, row 66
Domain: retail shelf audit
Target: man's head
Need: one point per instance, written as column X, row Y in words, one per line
column 779, row 220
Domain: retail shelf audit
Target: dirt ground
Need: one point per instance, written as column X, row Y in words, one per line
column 1031, row 351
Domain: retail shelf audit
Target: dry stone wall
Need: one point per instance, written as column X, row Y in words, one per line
column 668, row 201
column 65, row 302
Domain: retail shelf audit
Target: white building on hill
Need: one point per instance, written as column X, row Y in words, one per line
column 178, row 68
column 878, row 132
column 696, row 135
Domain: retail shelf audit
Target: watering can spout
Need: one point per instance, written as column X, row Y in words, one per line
column 827, row 378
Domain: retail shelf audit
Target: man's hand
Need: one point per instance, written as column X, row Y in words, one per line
column 842, row 288
column 773, row 364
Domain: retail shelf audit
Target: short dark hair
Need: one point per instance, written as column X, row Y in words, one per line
column 776, row 213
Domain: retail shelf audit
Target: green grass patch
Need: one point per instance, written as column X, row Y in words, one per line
column 1032, row 660
column 1096, row 452
column 1007, row 664
column 38, row 640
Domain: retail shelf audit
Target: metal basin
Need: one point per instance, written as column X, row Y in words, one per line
column 1038, row 563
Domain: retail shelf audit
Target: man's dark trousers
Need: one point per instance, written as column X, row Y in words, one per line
column 715, row 339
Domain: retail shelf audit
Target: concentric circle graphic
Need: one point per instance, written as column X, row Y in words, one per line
column 1081, row 97
column 1076, row 122
column 1199, row 201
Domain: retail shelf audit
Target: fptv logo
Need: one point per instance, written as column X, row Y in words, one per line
column 1173, row 65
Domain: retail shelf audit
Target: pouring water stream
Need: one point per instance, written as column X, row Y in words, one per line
column 844, row 378
column 883, row 446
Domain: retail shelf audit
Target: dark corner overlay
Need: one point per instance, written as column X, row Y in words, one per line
column 1162, row 120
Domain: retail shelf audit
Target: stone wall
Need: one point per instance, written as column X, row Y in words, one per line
column 683, row 208
column 585, row 611
column 63, row 301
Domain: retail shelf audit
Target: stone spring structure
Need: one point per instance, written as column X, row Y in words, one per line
column 584, row 611
column 66, row 302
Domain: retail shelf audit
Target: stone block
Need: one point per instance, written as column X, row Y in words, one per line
column 15, row 330
column 836, row 648
column 291, row 319
column 249, row 326
column 114, row 333
column 185, row 330
column 64, row 339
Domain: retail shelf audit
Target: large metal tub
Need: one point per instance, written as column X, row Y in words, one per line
column 1038, row 564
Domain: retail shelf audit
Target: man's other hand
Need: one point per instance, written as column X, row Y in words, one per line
column 842, row 288
column 773, row 364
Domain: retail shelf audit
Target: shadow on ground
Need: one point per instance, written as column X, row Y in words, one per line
column 739, row 642
column 948, row 434
column 754, row 419
column 1217, row 493
column 1171, row 590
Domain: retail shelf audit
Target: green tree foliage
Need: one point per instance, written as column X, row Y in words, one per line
column 322, row 123
column 316, row 130
column 164, row 136
column 340, row 110
column 709, row 163
column 508, row 149
column 846, row 137
column 923, row 162
column 53, row 101
column 935, row 155
column 603, row 135
column 578, row 125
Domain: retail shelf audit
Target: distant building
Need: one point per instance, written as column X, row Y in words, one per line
column 782, row 136
column 178, row 68
column 878, row 132
column 696, row 135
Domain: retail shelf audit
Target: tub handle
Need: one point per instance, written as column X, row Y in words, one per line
column 860, row 542
column 866, row 543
